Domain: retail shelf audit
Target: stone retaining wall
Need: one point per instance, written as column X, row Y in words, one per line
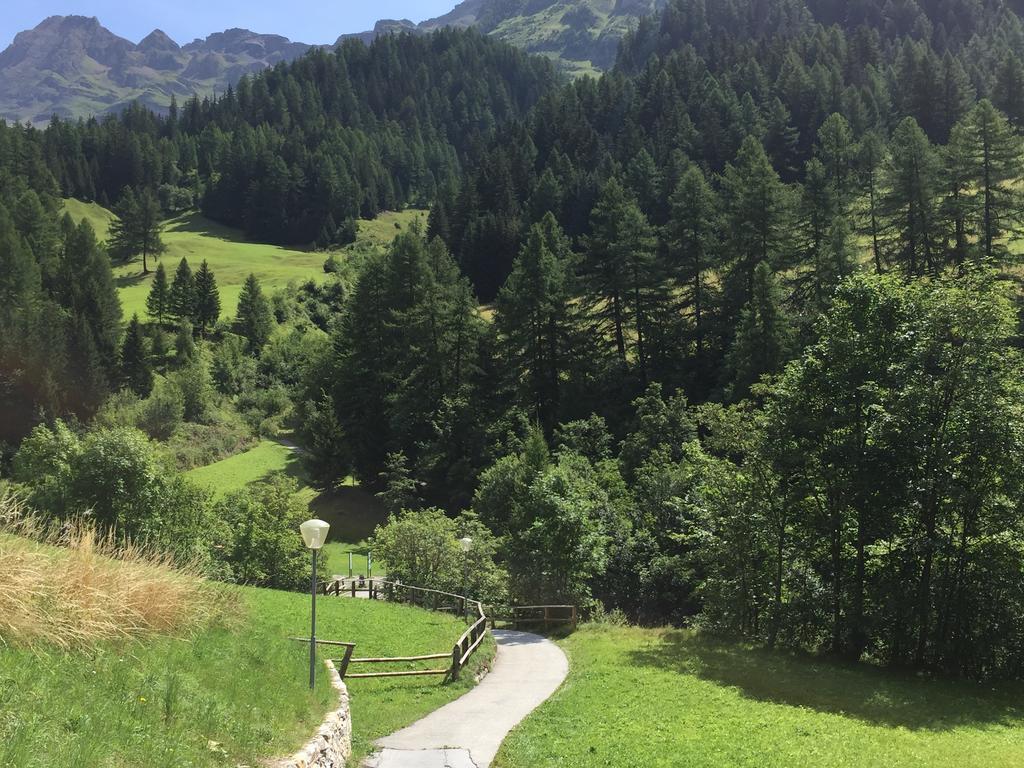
column 332, row 745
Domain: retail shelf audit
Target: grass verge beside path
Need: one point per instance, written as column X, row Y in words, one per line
column 673, row 699
column 230, row 696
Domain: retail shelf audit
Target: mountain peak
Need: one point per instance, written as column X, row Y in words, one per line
column 158, row 40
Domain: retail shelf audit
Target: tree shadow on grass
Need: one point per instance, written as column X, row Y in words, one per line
column 869, row 694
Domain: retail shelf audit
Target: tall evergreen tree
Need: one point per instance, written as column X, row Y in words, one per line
column 757, row 217
column 207, row 306
column 534, row 320
column 136, row 372
column 623, row 280
column 910, row 204
column 764, row 337
column 254, row 319
column 182, row 296
column 692, row 242
column 158, row 303
column 136, row 230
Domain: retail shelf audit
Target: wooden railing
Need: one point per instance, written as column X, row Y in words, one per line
column 536, row 616
column 432, row 599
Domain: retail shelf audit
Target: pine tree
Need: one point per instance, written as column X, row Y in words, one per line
column 207, row 306
column 137, row 227
column 995, row 155
column 909, row 207
column 763, row 339
column 870, row 156
column 624, row 281
column 254, row 319
column 158, row 303
column 135, row 369
column 691, row 238
column 534, row 322
column 757, row 218
column 182, row 296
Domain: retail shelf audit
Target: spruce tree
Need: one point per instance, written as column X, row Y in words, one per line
column 254, row 319
column 182, row 296
column 136, row 373
column 158, row 303
column 207, row 306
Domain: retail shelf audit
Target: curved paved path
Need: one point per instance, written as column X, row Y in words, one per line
column 467, row 732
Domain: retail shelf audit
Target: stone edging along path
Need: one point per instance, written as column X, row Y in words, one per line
column 332, row 745
column 467, row 732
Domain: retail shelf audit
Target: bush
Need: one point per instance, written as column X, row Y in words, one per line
column 196, row 389
column 421, row 548
column 265, row 548
column 163, row 411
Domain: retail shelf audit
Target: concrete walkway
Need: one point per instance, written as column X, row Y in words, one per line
column 467, row 732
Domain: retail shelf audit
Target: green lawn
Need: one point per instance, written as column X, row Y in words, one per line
column 232, row 258
column 229, row 697
column 672, row 699
column 352, row 512
column 238, row 471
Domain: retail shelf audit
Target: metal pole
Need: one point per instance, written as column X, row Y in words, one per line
column 312, row 630
column 350, row 565
column 465, row 587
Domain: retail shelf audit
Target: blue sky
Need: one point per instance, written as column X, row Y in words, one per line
column 310, row 21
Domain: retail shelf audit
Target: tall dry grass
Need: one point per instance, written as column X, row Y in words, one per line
column 70, row 586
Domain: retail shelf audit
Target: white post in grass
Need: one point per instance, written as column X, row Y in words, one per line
column 314, row 534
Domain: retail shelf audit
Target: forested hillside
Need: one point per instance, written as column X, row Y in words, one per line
column 728, row 335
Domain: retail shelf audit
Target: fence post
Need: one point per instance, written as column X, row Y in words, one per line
column 353, row 587
column 456, row 661
column 344, row 662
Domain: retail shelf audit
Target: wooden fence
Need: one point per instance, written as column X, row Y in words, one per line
column 432, row 599
column 534, row 617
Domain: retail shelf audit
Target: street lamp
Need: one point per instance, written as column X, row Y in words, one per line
column 466, row 543
column 314, row 533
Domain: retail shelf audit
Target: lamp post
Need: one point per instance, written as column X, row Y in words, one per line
column 466, row 543
column 314, row 534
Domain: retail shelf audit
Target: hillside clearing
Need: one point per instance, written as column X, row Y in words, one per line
column 231, row 257
column 352, row 512
column 232, row 694
column 671, row 699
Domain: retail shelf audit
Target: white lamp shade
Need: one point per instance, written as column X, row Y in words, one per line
column 314, row 533
column 466, row 543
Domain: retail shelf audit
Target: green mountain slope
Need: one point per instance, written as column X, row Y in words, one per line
column 583, row 34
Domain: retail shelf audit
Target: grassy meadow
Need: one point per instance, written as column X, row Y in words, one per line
column 228, row 692
column 352, row 512
column 673, row 699
column 231, row 257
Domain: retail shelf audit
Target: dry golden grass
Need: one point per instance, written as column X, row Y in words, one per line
column 72, row 587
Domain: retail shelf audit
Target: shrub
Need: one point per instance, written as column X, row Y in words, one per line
column 163, row 411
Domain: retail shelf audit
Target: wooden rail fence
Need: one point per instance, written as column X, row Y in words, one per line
column 433, row 599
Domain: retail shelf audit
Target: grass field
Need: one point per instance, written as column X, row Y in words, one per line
column 230, row 696
column 231, row 257
column 352, row 512
column 672, row 699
